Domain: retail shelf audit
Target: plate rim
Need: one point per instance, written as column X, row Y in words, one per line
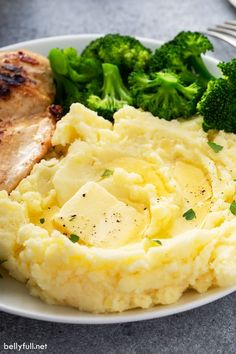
column 71, row 36
column 110, row 318
column 232, row 2
column 122, row 317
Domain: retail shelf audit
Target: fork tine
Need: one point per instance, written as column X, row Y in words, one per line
column 227, row 26
column 232, row 22
column 223, row 31
column 221, row 36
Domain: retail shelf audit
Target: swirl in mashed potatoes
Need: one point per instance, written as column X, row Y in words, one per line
column 99, row 224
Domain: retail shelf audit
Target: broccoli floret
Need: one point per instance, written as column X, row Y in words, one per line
column 218, row 104
column 183, row 56
column 94, row 87
column 69, row 63
column 229, row 70
column 68, row 92
column 70, row 55
column 72, row 74
column 114, row 94
column 124, row 51
column 164, row 95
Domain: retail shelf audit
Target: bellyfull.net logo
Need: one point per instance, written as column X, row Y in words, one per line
column 24, row 346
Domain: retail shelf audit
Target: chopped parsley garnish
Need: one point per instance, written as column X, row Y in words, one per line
column 42, row 221
column 215, row 147
column 233, row 208
column 107, row 173
column 74, row 238
column 157, row 241
column 151, row 242
column 189, row 214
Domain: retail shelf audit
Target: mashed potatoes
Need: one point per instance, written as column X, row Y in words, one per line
column 99, row 224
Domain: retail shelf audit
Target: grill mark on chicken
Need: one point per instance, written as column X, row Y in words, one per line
column 4, row 90
column 26, row 122
column 10, row 76
column 56, row 110
column 27, row 58
column 12, row 80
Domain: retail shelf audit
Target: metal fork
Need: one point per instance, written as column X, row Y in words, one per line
column 226, row 32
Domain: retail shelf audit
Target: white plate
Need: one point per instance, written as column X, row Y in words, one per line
column 232, row 2
column 14, row 297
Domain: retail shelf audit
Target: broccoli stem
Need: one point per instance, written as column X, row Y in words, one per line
column 201, row 70
column 113, row 85
column 113, row 95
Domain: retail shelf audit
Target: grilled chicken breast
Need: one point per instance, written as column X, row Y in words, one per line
column 26, row 123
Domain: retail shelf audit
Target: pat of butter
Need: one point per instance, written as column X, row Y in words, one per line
column 100, row 219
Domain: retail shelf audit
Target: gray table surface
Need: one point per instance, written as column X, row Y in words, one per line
column 209, row 329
